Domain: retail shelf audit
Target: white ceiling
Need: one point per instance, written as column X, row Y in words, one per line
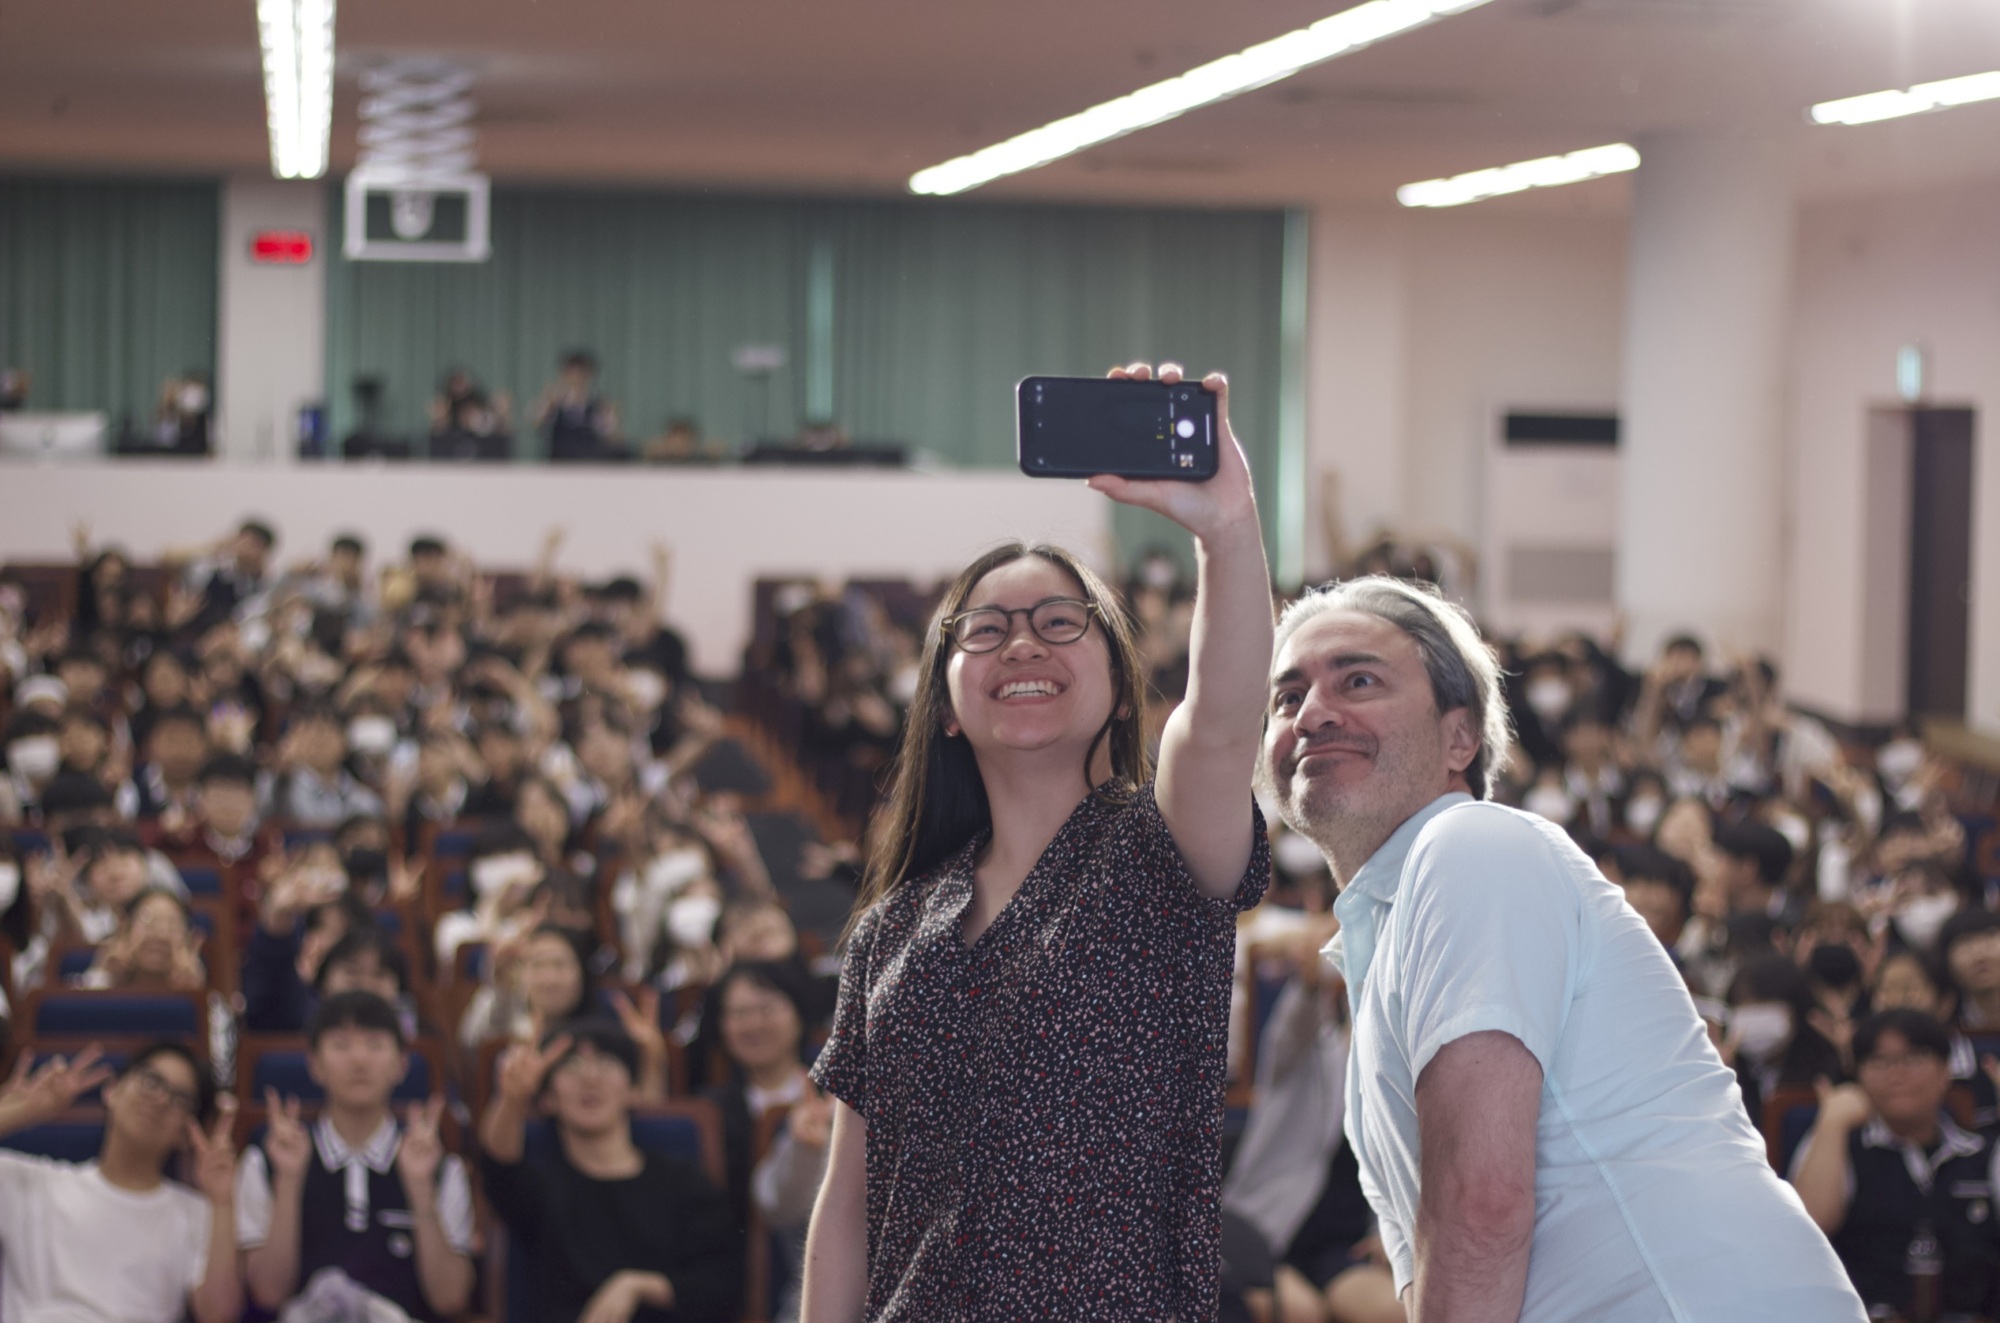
column 787, row 95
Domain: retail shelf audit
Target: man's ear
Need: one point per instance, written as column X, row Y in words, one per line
column 1461, row 738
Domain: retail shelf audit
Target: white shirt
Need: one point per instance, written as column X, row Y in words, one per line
column 1654, row 1199
column 74, row 1248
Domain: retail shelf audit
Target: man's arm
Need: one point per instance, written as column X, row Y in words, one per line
column 1477, row 1104
column 1822, row 1175
column 836, row 1285
column 272, row 1268
column 218, row 1297
column 443, row 1273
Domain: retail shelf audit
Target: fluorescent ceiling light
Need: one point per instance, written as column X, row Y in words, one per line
column 1218, row 80
column 1543, row 172
column 1921, row 99
column 297, row 36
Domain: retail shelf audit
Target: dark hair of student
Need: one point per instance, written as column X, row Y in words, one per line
column 936, row 800
column 204, row 1079
column 358, row 940
column 1922, row 1032
column 357, row 1009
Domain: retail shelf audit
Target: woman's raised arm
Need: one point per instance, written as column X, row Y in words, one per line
column 1209, row 749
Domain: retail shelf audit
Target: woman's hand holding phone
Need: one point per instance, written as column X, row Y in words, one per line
column 1213, row 510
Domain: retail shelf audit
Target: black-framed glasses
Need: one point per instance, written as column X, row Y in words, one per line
column 1055, row 621
column 160, row 1089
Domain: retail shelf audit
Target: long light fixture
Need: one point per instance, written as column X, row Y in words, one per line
column 297, row 36
column 1267, row 62
column 1918, row 100
column 1542, row 172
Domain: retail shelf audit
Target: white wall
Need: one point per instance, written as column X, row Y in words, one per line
column 725, row 528
column 271, row 321
column 1356, row 344
column 1874, row 275
column 1426, row 327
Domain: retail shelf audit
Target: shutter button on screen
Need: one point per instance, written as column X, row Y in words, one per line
column 1184, row 428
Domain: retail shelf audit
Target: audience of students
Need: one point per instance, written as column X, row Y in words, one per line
column 409, row 810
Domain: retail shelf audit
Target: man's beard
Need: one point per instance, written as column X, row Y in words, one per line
column 1314, row 808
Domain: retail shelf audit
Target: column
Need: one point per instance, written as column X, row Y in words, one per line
column 1702, row 502
column 1355, row 376
column 271, row 321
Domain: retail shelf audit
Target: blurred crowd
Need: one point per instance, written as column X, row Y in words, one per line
column 397, row 820
column 481, row 852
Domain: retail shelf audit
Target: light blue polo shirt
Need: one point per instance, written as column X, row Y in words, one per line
column 1654, row 1199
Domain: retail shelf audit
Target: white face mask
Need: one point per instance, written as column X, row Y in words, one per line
column 497, row 873
column 1794, row 829
column 194, row 397
column 1920, row 918
column 1551, row 802
column 1761, row 1029
column 674, row 869
column 1550, row 698
column 1159, row 573
column 1643, row 814
column 691, row 920
column 1294, row 854
column 35, row 757
column 371, row 736
column 10, row 883
column 1898, row 760
column 647, row 688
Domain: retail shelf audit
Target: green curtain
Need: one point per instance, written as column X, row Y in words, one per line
column 937, row 309
column 107, row 289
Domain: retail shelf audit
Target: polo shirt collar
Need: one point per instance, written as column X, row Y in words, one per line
column 1372, row 890
column 378, row 1154
column 1953, row 1142
column 352, row 1164
column 1383, row 872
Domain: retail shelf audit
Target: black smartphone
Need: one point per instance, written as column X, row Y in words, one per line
column 1073, row 427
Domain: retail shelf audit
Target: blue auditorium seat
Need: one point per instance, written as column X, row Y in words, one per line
column 80, row 1014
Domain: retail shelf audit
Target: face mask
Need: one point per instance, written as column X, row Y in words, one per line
column 497, row 873
column 1920, row 919
column 371, row 736
column 1794, row 829
column 35, row 757
column 674, row 869
column 1159, row 573
column 1834, row 966
column 1898, row 760
column 691, row 920
column 1761, row 1029
column 648, row 689
column 1294, row 854
column 10, row 883
column 1643, row 814
column 194, row 397
column 1549, row 698
column 366, row 863
column 1551, row 802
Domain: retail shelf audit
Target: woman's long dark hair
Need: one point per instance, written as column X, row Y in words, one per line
column 936, row 800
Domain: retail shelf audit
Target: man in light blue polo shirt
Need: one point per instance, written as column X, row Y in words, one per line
column 1543, row 1128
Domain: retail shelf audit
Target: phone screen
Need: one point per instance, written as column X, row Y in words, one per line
column 1073, row 427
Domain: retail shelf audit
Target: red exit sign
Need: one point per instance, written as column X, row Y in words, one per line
column 281, row 247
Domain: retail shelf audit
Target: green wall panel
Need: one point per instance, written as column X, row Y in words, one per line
column 107, row 289
column 937, row 308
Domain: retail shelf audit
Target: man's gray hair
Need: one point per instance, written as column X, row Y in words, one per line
column 1464, row 670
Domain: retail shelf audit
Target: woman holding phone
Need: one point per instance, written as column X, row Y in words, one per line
column 1028, row 1055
